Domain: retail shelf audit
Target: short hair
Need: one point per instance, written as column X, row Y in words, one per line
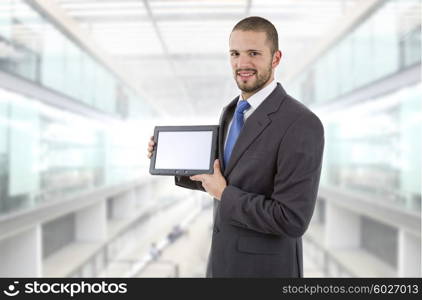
column 259, row 24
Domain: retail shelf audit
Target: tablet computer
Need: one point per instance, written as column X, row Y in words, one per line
column 184, row 150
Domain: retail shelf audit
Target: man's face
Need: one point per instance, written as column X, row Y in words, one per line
column 251, row 60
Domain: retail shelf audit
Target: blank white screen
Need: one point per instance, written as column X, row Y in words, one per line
column 185, row 150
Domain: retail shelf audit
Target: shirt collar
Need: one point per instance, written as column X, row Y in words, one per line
column 256, row 99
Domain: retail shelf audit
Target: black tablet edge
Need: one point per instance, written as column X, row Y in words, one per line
column 180, row 172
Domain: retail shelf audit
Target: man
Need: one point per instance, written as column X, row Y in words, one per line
column 265, row 181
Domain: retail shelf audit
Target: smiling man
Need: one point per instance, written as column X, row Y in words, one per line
column 254, row 57
column 266, row 179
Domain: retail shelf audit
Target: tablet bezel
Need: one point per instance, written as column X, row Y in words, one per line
column 183, row 172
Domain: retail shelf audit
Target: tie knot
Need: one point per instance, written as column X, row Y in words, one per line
column 242, row 106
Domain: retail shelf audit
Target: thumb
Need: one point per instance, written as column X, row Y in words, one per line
column 217, row 166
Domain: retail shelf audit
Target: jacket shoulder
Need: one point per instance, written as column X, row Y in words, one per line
column 297, row 112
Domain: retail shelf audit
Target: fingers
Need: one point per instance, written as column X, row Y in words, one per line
column 217, row 166
column 150, row 148
column 197, row 178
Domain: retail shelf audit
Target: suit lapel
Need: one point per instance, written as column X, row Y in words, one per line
column 254, row 126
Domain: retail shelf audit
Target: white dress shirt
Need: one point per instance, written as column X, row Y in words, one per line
column 255, row 100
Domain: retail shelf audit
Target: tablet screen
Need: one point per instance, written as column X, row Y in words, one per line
column 187, row 150
column 184, row 150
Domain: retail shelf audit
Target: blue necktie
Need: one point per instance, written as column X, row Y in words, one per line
column 235, row 129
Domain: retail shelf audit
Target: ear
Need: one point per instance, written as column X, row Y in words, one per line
column 276, row 58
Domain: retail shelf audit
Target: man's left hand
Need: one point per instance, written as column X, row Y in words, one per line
column 215, row 183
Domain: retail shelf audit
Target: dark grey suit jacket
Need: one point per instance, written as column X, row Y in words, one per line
column 272, row 184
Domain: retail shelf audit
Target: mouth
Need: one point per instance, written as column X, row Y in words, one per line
column 245, row 75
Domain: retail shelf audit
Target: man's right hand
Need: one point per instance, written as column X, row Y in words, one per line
column 151, row 145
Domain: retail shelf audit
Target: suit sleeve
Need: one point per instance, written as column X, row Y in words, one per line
column 289, row 209
column 184, row 181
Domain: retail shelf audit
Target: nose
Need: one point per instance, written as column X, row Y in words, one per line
column 243, row 61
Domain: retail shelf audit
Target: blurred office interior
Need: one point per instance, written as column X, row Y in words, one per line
column 84, row 82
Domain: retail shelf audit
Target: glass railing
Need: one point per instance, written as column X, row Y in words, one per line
column 386, row 42
column 33, row 48
column 374, row 148
column 48, row 154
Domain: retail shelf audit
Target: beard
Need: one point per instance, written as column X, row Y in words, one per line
column 261, row 80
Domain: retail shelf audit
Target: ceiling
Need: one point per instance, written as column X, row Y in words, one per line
column 177, row 50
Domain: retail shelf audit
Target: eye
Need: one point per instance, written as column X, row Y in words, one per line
column 234, row 54
column 254, row 53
